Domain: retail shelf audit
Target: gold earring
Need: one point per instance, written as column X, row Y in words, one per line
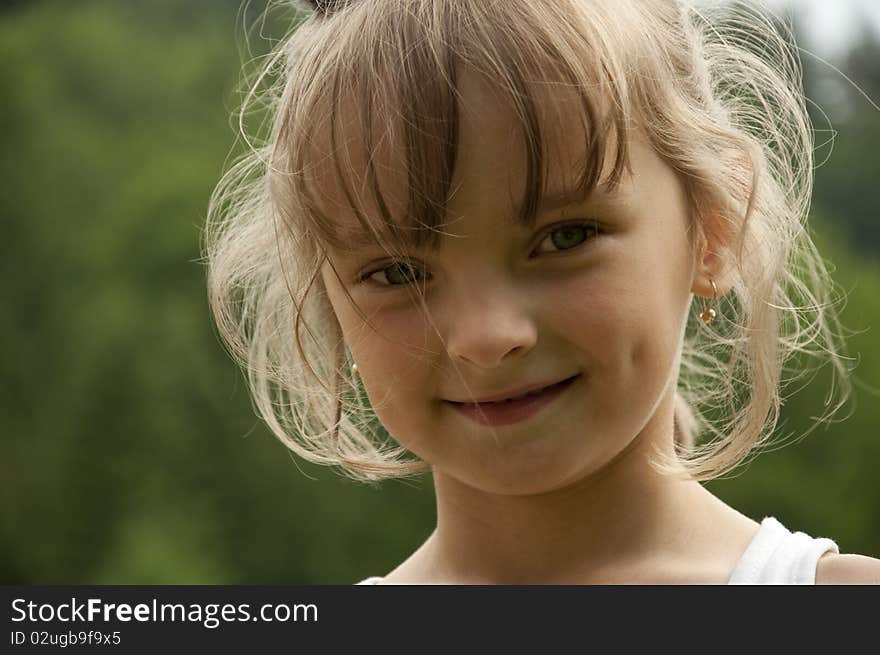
column 708, row 314
column 354, row 370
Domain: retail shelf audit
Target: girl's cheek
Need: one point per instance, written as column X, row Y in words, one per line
column 589, row 312
column 396, row 347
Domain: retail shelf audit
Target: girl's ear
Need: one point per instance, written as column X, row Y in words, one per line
column 714, row 256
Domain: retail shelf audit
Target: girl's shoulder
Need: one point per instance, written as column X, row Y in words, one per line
column 777, row 555
column 373, row 579
column 833, row 569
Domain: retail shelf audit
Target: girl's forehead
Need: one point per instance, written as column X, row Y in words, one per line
column 492, row 146
column 345, row 170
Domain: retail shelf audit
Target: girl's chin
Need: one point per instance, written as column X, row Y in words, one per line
column 513, row 471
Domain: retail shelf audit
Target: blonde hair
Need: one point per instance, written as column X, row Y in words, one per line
column 718, row 94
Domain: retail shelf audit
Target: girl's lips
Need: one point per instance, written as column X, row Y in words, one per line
column 512, row 411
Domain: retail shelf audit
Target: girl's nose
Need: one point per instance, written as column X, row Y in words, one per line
column 486, row 326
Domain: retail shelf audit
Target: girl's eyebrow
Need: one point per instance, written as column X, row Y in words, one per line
column 358, row 238
column 553, row 201
column 569, row 197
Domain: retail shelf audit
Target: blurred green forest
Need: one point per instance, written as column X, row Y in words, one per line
column 130, row 451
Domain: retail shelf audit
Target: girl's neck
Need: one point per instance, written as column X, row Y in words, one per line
column 626, row 523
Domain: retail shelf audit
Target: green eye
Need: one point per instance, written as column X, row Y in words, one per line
column 397, row 274
column 569, row 236
column 564, row 237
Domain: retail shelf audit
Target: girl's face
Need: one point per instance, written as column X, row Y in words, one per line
column 599, row 289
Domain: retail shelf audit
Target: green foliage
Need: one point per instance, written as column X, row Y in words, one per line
column 822, row 483
column 130, row 451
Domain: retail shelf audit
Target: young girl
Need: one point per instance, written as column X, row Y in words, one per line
column 471, row 245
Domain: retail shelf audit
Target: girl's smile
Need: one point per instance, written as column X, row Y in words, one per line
column 512, row 407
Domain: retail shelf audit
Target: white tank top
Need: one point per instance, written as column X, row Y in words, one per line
column 774, row 556
column 778, row 556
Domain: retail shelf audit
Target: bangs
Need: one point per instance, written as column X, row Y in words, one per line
column 377, row 166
